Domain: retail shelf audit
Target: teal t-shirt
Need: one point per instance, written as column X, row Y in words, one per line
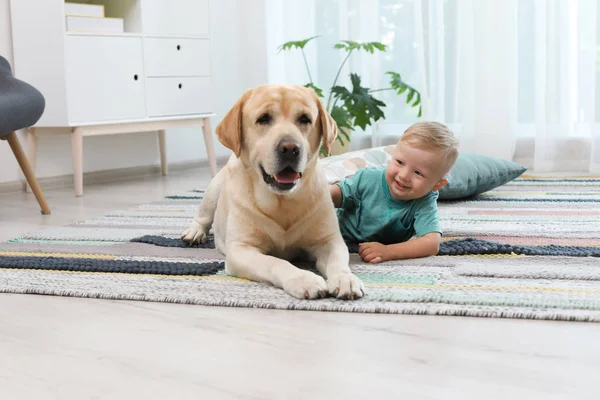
column 369, row 214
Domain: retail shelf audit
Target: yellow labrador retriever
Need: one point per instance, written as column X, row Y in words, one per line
column 271, row 201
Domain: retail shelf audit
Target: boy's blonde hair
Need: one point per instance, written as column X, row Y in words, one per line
column 433, row 136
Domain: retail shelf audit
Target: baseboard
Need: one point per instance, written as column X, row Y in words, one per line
column 107, row 176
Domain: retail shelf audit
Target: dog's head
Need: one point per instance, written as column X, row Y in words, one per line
column 277, row 131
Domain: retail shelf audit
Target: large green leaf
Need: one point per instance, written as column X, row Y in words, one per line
column 350, row 45
column 296, row 44
column 343, row 121
column 364, row 108
column 400, row 87
column 346, row 45
column 317, row 89
column 396, row 82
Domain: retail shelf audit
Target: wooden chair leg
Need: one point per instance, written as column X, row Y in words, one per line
column 31, row 153
column 13, row 141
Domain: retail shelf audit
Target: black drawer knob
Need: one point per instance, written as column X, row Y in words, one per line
column 178, row 47
column 135, row 77
column 180, row 85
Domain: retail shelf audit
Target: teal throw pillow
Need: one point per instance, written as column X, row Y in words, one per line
column 476, row 173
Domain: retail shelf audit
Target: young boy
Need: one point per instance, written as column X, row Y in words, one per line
column 382, row 208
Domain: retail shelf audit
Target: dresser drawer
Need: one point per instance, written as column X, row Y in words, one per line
column 177, row 57
column 176, row 17
column 178, row 96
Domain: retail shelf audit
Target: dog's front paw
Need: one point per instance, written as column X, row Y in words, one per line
column 346, row 286
column 194, row 234
column 306, row 285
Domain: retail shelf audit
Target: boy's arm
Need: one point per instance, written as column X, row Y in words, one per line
column 336, row 195
column 426, row 245
column 346, row 192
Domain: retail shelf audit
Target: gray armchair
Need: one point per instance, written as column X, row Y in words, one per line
column 21, row 106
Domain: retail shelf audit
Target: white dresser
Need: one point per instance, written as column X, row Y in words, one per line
column 154, row 76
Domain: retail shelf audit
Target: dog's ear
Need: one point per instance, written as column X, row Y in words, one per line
column 329, row 128
column 229, row 130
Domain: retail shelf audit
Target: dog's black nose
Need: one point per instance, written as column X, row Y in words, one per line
column 288, row 149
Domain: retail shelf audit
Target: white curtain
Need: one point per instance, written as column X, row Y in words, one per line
column 516, row 79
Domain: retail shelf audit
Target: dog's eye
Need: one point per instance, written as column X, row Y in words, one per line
column 304, row 119
column 264, row 119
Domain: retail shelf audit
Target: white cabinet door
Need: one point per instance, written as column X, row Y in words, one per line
column 178, row 96
column 105, row 78
column 177, row 57
column 175, row 17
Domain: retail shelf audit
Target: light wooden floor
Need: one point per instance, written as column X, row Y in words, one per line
column 67, row 348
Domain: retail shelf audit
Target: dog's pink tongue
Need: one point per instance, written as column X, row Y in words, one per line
column 287, row 176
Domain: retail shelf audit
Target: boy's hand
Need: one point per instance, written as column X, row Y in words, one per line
column 373, row 252
column 425, row 246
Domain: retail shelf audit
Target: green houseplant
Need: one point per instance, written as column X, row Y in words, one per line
column 355, row 106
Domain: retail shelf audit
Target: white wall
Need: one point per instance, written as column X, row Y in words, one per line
column 238, row 56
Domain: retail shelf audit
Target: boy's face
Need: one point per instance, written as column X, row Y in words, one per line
column 413, row 172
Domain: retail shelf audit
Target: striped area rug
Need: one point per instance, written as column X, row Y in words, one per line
column 529, row 249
